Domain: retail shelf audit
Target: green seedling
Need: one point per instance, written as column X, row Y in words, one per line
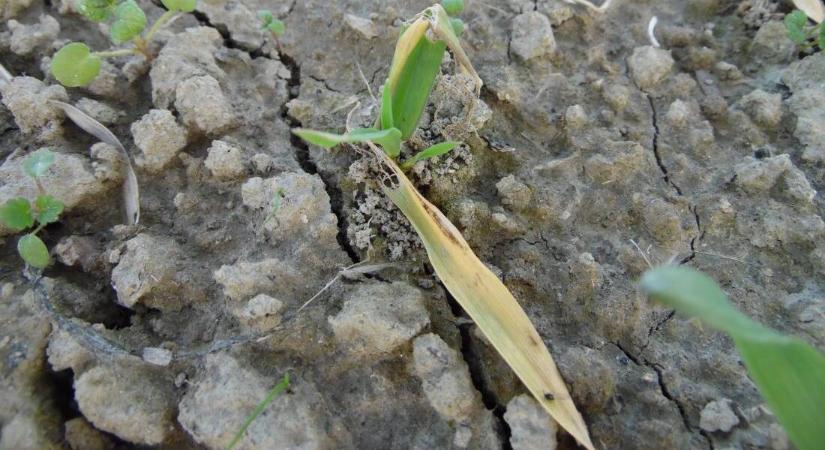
column 277, row 390
column 415, row 65
column 802, row 32
column 21, row 214
column 276, row 27
column 77, row 65
column 789, row 373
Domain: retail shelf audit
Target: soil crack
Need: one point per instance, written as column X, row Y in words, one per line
column 471, row 356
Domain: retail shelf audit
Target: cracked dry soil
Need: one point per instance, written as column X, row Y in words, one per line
column 592, row 153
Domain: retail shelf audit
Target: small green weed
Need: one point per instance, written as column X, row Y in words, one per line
column 76, row 65
column 20, row 213
column 803, row 33
column 280, row 387
column 789, row 373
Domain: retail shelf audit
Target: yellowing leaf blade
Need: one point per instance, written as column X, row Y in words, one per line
column 489, row 303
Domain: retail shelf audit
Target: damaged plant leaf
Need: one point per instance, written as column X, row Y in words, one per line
column 131, row 192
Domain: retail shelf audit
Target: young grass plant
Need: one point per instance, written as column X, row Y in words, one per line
column 21, row 214
column 76, row 65
column 789, row 373
column 277, row 390
column 416, row 63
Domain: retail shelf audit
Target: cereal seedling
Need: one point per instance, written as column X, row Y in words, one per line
column 415, row 65
column 20, row 213
column 802, row 33
column 789, row 373
column 76, row 65
column 277, row 390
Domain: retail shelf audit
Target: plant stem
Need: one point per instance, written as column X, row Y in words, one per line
column 159, row 23
column 115, row 53
column 280, row 387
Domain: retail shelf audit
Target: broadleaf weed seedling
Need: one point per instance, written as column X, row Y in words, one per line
column 276, row 27
column 20, row 213
column 802, row 33
column 76, row 65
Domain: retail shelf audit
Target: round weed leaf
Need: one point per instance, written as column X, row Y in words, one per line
column 276, row 27
column 96, row 10
column 180, row 5
column 33, row 251
column 74, row 65
column 38, row 163
column 795, row 23
column 458, row 25
column 129, row 22
column 47, row 209
column 453, row 7
column 16, row 214
column 265, row 16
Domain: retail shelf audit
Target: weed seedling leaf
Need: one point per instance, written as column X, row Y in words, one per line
column 180, row 5
column 38, row 163
column 453, row 7
column 458, row 26
column 795, row 23
column 47, row 209
column 431, row 152
column 96, row 10
column 74, row 65
column 129, row 22
column 16, row 214
column 389, row 139
column 788, row 372
column 269, row 22
column 280, row 387
column 33, row 251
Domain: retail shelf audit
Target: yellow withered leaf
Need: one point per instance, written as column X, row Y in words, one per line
column 488, row 302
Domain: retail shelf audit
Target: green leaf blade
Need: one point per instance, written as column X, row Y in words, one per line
column 386, row 108
column 411, row 90
column 48, row 209
column 74, row 65
column 33, row 251
column 36, row 164
column 129, row 22
column 795, row 23
column 788, row 372
column 430, row 152
column 180, row 5
column 389, row 139
column 280, row 387
column 16, row 214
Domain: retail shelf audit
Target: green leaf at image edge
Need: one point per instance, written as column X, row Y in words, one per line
column 33, row 251
column 74, row 65
column 96, row 10
column 48, row 209
column 130, row 20
column 788, row 372
column 36, row 164
column 180, row 5
column 16, row 214
column 795, row 23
